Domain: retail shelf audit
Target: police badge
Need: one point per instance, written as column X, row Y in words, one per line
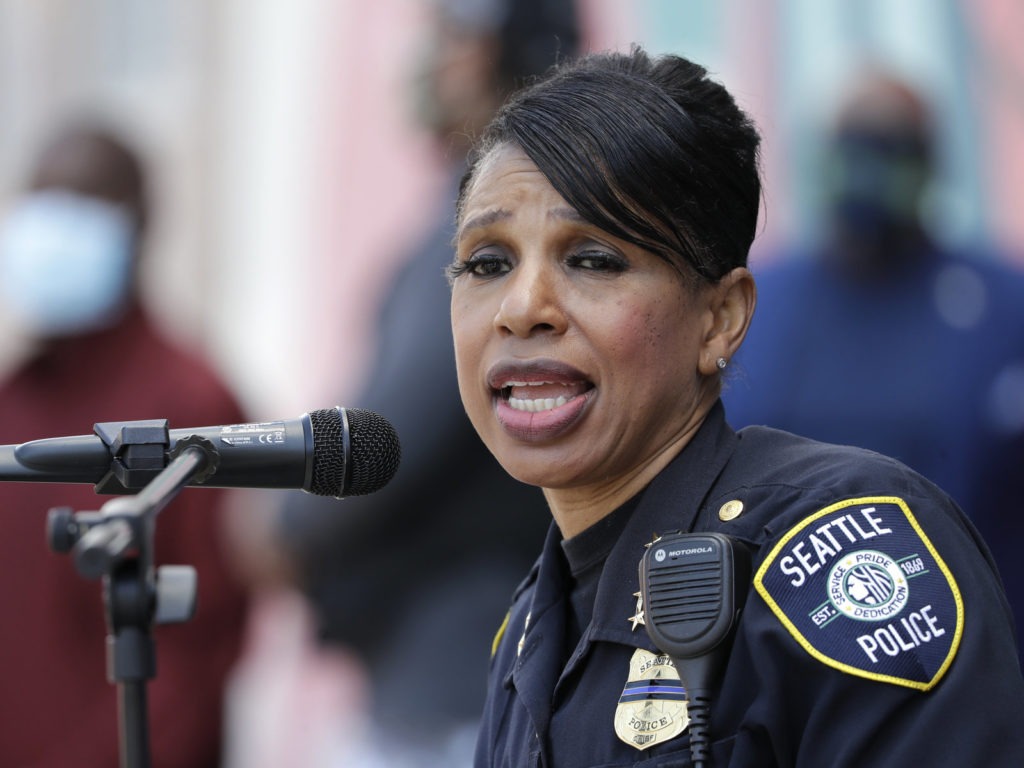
column 652, row 707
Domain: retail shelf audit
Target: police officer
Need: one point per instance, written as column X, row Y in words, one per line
column 600, row 290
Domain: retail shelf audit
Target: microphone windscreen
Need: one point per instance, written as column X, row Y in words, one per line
column 373, row 457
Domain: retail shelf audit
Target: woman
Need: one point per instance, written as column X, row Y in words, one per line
column 599, row 291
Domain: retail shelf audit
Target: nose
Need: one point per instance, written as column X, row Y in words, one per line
column 532, row 302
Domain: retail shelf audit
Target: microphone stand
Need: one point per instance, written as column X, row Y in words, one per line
column 115, row 544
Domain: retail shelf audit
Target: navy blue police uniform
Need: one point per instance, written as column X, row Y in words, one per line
column 875, row 633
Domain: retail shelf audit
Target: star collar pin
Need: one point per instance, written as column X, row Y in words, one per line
column 638, row 618
column 652, row 542
column 522, row 638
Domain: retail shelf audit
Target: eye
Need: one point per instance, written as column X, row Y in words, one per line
column 597, row 261
column 481, row 265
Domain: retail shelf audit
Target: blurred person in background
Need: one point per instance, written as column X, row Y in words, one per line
column 71, row 245
column 415, row 578
column 913, row 345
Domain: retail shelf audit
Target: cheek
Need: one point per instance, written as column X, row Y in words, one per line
column 634, row 337
column 658, row 334
column 644, row 335
column 656, row 352
column 468, row 376
column 467, row 336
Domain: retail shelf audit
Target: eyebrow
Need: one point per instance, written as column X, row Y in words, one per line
column 567, row 214
column 483, row 220
column 501, row 214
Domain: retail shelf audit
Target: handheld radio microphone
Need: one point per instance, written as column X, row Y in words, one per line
column 693, row 587
column 331, row 452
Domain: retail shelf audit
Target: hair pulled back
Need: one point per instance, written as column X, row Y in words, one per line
column 650, row 150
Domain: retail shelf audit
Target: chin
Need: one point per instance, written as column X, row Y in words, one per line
column 536, row 466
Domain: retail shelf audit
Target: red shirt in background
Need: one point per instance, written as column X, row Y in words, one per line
column 57, row 707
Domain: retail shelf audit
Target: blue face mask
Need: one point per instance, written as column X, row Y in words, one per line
column 65, row 263
column 876, row 181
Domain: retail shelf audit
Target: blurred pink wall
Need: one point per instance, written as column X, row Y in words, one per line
column 380, row 178
column 1000, row 81
column 378, row 181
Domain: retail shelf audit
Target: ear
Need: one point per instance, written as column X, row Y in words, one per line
column 730, row 309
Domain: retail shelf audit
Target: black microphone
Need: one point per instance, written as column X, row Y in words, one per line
column 331, row 452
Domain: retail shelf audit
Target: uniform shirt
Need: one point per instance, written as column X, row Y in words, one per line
column 923, row 673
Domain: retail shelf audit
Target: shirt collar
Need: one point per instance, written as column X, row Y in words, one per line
column 670, row 503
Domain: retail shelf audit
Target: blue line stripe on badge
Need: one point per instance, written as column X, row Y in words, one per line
column 653, row 689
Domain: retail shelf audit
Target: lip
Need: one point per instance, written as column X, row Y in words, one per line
column 543, row 426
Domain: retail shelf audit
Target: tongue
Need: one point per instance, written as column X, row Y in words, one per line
column 544, row 391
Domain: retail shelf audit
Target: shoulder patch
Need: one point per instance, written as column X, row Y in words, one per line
column 861, row 588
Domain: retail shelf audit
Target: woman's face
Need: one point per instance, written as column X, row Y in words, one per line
column 577, row 352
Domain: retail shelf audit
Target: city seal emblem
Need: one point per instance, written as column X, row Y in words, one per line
column 652, row 707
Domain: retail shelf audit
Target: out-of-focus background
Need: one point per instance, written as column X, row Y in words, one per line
column 290, row 169
column 292, row 176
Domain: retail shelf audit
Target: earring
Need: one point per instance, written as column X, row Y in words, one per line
column 721, row 363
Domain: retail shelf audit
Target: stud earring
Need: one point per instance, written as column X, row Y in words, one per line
column 721, row 363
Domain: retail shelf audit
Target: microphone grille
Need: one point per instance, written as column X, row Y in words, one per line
column 373, row 457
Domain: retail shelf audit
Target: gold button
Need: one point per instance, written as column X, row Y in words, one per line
column 730, row 510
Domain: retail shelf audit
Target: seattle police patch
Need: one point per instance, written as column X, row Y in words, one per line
column 861, row 588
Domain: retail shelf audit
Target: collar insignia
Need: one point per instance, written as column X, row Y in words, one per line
column 522, row 638
column 638, row 618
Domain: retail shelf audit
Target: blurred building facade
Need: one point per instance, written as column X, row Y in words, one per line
column 289, row 153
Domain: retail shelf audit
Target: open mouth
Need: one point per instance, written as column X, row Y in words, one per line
column 540, row 396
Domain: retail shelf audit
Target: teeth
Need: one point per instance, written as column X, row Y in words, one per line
column 524, row 384
column 536, row 406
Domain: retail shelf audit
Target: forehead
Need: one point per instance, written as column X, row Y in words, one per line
column 505, row 171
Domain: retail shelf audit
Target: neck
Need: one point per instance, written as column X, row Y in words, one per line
column 575, row 509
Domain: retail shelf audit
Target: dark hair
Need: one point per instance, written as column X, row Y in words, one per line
column 650, row 150
column 92, row 159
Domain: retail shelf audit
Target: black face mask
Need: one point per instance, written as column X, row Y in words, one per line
column 874, row 184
